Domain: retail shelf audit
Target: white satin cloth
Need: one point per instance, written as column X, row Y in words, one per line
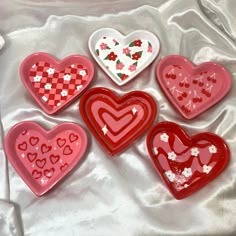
column 2, row 42
column 122, row 195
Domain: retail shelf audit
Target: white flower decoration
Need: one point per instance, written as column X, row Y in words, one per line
column 67, row 77
column 170, row 175
column 79, row 87
column 48, row 86
column 194, row 152
column 206, row 169
column 212, row 149
column 187, row 172
column 44, row 98
column 37, row 78
column 172, row 156
column 64, row 93
column 83, row 73
column 164, row 137
column 155, row 151
column 50, row 71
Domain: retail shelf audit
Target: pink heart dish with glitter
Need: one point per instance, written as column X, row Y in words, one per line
column 186, row 164
column 192, row 89
column 123, row 57
column 42, row 158
column 55, row 84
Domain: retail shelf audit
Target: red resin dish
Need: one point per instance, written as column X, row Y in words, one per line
column 116, row 122
column 192, row 89
column 42, row 158
column 186, row 164
column 54, row 84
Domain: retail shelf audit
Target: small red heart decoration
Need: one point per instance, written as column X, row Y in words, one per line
column 32, row 156
column 54, row 84
column 67, row 150
column 22, row 146
column 54, row 158
column 73, row 137
column 36, row 174
column 40, row 163
column 192, row 89
column 61, row 142
column 116, row 122
column 34, row 140
column 43, row 164
column 45, row 148
column 186, row 164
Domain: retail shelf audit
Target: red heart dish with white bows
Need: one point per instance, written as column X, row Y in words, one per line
column 192, row 89
column 186, row 164
column 42, row 158
column 54, row 84
column 116, row 122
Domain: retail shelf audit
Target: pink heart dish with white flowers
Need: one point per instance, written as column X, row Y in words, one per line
column 55, row 84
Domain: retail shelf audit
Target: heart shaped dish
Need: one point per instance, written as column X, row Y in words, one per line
column 123, row 57
column 55, row 84
column 115, row 121
column 192, row 89
column 186, row 164
column 42, row 158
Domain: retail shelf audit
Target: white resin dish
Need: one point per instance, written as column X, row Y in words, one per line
column 123, row 57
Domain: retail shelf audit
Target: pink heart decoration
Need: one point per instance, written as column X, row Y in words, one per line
column 192, row 89
column 55, row 84
column 43, row 164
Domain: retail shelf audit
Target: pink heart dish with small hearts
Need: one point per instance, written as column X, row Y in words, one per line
column 55, row 84
column 185, row 163
column 192, row 89
column 123, row 57
column 42, row 158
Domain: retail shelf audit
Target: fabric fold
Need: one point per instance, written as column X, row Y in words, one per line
column 123, row 194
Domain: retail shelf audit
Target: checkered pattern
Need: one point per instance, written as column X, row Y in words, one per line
column 53, row 88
